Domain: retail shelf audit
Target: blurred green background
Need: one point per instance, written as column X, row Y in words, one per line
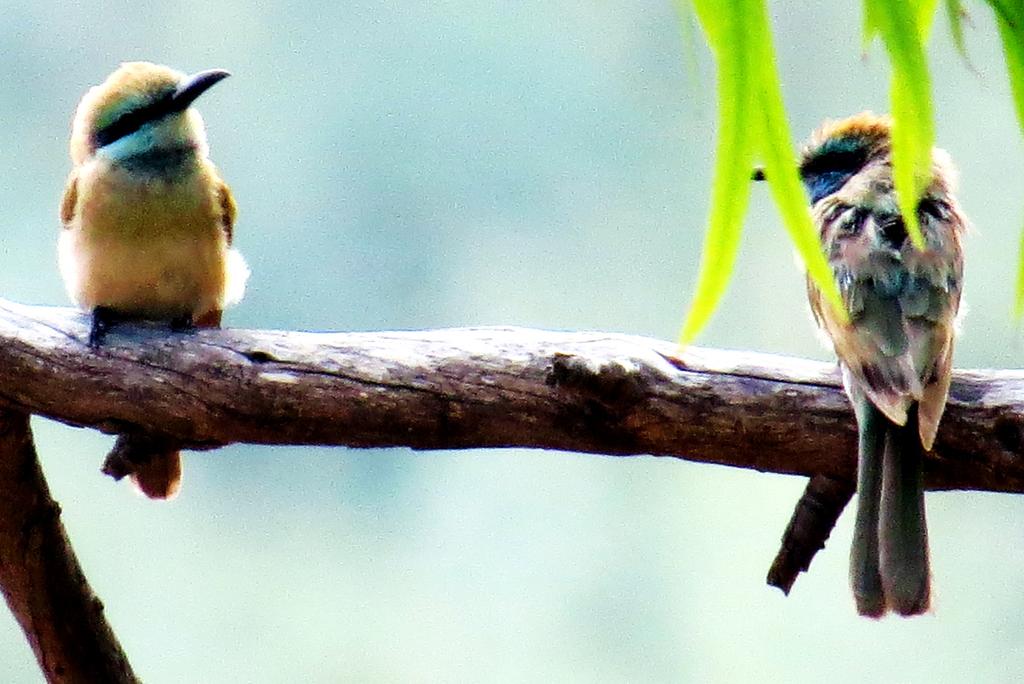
column 426, row 164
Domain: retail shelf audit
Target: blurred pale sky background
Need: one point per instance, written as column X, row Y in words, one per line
column 426, row 164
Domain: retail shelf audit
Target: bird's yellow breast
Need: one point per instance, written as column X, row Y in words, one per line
column 146, row 245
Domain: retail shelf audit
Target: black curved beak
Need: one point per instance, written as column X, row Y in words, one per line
column 194, row 86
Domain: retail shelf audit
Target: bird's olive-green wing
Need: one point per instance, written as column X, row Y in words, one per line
column 228, row 209
column 70, row 200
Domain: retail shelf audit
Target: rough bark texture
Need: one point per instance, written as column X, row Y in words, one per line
column 484, row 387
column 40, row 576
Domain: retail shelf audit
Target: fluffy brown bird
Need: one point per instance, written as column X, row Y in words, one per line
column 896, row 349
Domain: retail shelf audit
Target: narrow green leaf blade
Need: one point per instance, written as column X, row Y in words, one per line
column 1011, row 31
column 725, row 26
column 781, row 170
column 955, row 14
column 871, row 25
column 925, row 11
column 902, row 26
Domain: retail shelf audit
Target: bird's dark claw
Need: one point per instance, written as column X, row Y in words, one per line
column 183, row 323
column 103, row 319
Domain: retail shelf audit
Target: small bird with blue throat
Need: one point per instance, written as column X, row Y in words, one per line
column 148, row 225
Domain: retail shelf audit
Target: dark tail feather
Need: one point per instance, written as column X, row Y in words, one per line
column 903, row 532
column 152, row 463
column 865, row 577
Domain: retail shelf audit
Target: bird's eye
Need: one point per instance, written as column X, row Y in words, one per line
column 834, row 212
column 893, row 231
column 847, row 220
column 936, row 209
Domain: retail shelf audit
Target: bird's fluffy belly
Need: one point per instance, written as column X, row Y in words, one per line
column 151, row 249
column 160, row 276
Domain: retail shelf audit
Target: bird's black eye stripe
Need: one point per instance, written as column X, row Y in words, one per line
column 828, row 168
column 840, row 155
column 133, row 120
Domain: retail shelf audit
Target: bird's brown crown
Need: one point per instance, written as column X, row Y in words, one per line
column 840, row 149
column 131, row 88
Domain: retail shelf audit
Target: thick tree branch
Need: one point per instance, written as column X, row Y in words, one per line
column 40, row 576
column 484, row 387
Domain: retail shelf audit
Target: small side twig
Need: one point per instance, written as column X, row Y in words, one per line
column 815, row 515
column 40, row 576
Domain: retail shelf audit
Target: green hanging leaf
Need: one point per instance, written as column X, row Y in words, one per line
column 726, row 26
column 752, row 121
column 956, row 14
column 1010, row 18
column 903, row 27
column 925, row 17
column 783, row 177
column 871, row 24
column 922, row 10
